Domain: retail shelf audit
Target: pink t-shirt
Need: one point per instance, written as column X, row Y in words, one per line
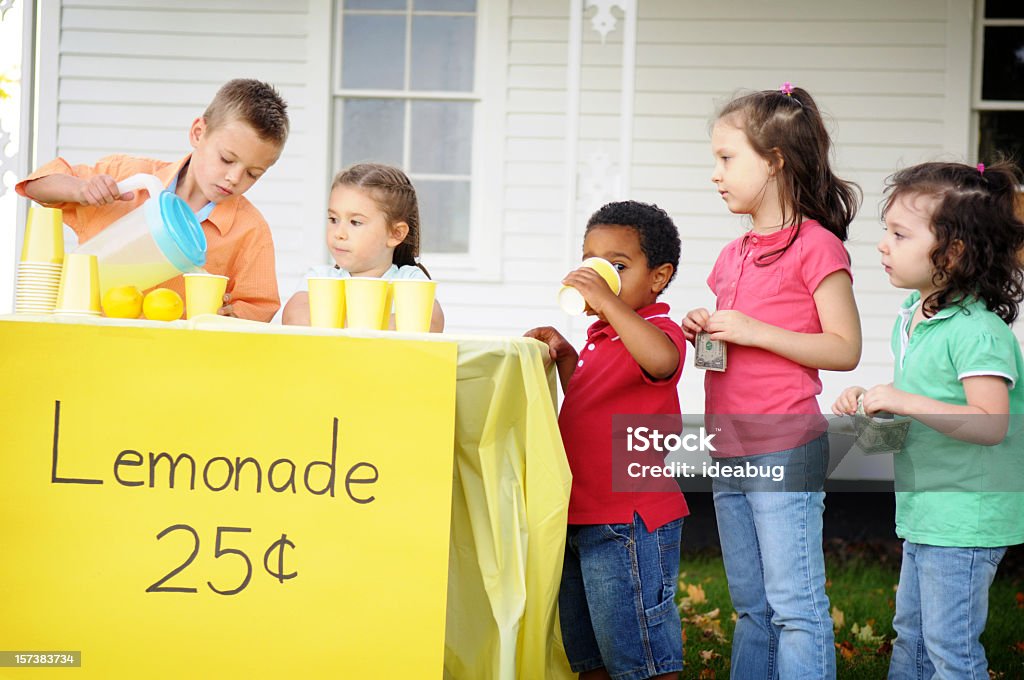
column 758, row 382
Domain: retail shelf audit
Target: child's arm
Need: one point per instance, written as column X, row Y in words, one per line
column 984, row 420
column 561, row 352
column 646, row 343
column 296, row 311
column 437, row 319
column 60, row 188
column 836, row 348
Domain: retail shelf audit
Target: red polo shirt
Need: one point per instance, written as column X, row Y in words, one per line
column 607, row 382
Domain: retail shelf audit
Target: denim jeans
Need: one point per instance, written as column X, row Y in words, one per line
column 941, row 608
column 771, row 546
column 616, row 604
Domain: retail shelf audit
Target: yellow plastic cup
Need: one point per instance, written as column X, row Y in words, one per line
column 366, row 302
column 571, row 300
column 44, row 236
column 204, row 293
column 79, row 284
column 326, row 302
column 414, row 305
column 385, row 319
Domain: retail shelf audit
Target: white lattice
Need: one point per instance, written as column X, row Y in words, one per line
column 604, row 21
column 599, row 183
column 4, row 6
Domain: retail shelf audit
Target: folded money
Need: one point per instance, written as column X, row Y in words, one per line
column 709, row 354
column 884, row 433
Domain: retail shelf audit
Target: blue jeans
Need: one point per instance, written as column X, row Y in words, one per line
column 616, row 605
column 771, row 546
column 941, row 608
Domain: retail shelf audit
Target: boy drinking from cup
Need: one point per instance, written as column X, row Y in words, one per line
column 236, row 140
column 616, row 601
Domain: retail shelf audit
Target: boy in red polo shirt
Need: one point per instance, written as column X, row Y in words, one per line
column 236, row 140
column 617, row 596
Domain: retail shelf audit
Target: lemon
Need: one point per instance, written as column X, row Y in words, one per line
column 162, row 304
column 122, row 302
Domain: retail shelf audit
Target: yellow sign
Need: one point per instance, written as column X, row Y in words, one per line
column 181, row 503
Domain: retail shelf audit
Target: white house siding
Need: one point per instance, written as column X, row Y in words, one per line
column 893, row 78
column 879, row 71
column 133, row 75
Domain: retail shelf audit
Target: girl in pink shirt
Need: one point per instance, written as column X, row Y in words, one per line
column 785, row 310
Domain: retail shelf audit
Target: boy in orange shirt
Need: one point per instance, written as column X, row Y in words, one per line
column 236, row 140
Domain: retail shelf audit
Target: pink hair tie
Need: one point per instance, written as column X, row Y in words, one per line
column 981, row 168
column 787, row 89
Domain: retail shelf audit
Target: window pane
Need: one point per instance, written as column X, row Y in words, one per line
column 444, row 216
column 376, row 4
column 373, row 52
column 1003, row 65
column 1004, row 9
column 444, row 5
column 1001, row 133
column 371, row 130
column 443, row 52
column 442, row 137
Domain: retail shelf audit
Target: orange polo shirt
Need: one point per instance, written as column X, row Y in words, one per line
column 238, row 240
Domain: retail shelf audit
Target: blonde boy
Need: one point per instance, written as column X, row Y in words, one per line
column 237, row 139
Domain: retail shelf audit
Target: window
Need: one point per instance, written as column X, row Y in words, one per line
column 999, row 81
column 408, row 92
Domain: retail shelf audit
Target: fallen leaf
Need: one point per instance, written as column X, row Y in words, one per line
column 706, row 674
column 1020, row 600
column 838, row 619
column 709, row 655
column 846, row 649
column 695, row 594
column 884, row 649
column 865, row 634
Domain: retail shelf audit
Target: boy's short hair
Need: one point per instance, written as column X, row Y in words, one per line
column 253, row 102
column 659, row 237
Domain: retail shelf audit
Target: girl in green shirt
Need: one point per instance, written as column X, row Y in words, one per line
column 952, row 237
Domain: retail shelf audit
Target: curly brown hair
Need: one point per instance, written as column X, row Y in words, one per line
column 978, row 236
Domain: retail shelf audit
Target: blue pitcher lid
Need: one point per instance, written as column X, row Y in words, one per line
column 177, row 231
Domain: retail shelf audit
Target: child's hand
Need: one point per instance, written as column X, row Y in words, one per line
column 732, row 326
column 846, row 404
column 227, row 310
column 695, row 321
column 100, row 190
column 886, row 399
column 558, row 346
column 592, row 287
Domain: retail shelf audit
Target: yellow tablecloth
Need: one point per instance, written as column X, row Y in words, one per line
column 509, row 500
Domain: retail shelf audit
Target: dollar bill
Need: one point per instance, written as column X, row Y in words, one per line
column 709, row 354
column 884, row 433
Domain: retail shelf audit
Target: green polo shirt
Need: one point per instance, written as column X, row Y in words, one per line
column 981, row 503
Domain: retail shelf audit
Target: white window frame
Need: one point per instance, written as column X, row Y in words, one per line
column 483, row 261
column 978, row 105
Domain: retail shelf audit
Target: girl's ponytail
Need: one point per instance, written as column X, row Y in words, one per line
column 787, row 124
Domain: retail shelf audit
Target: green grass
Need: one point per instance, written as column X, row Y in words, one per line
column 863, row 589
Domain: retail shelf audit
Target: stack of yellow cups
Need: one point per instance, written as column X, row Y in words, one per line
column 42, row 255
